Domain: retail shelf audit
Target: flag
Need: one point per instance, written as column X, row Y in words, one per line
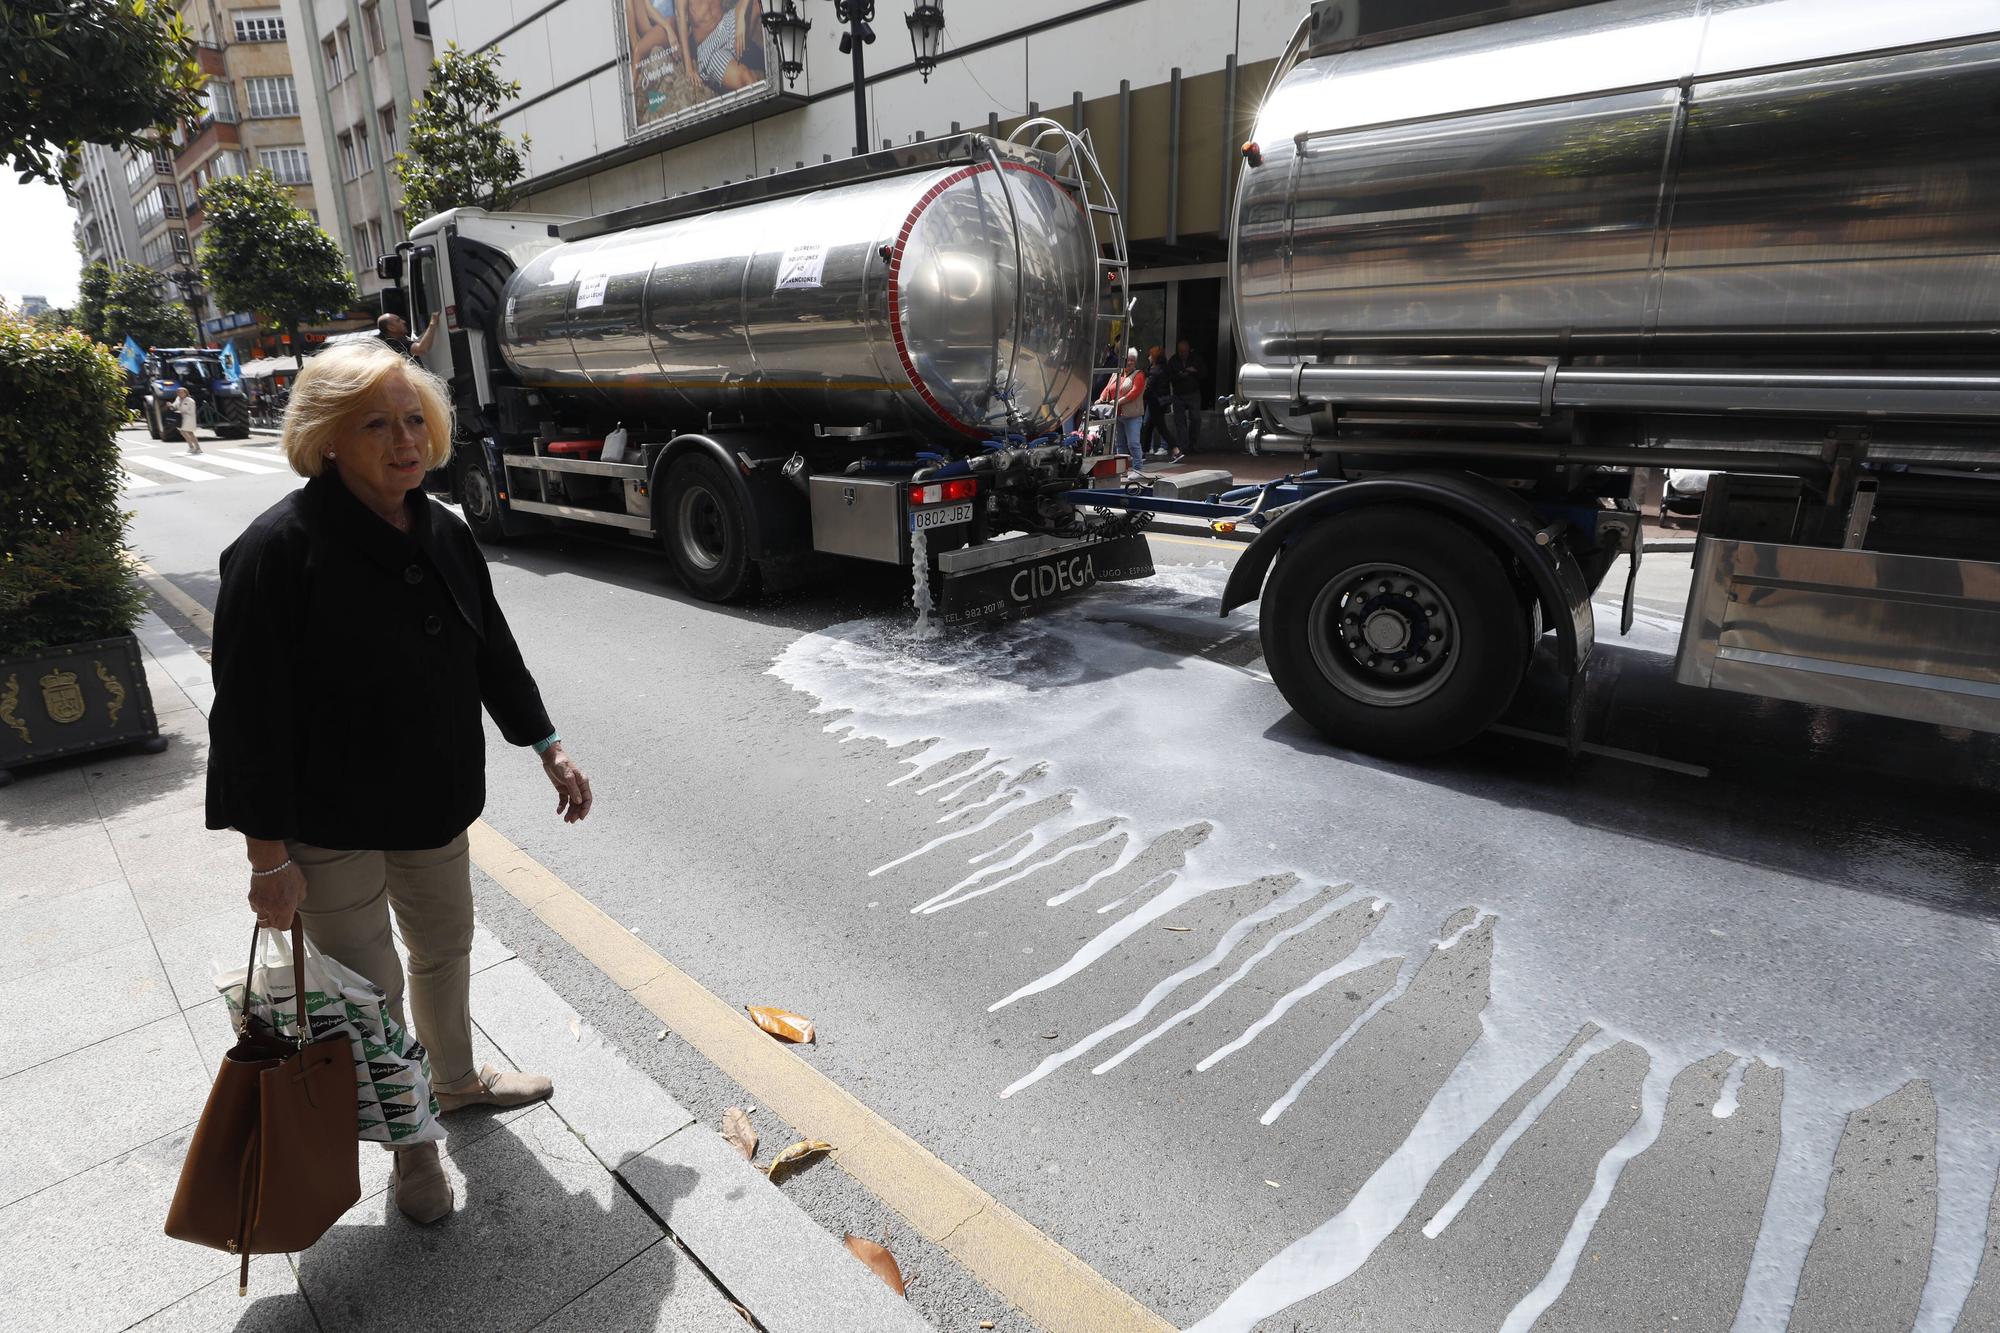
column 230, row 366
column 132, row 357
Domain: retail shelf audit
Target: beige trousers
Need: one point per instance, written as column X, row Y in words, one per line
column 346, row 913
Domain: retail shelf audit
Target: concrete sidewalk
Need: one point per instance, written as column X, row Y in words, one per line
column 117, row 907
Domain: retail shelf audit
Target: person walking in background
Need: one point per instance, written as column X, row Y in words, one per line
column 1159, row 402
column 356, row 639
column 1184, row 371
column 1125, row 391
column 185, row 405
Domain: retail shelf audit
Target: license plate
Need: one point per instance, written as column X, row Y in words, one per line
column 940, row 516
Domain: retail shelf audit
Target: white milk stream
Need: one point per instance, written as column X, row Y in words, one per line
column 1592, row 926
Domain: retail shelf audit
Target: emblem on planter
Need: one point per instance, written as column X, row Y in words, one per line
column 62, row 697
column 113, row 687
column 9, row 698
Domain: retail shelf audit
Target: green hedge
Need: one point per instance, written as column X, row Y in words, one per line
column 64, row 573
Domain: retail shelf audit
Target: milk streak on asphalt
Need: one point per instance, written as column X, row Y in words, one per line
column 1053, row 714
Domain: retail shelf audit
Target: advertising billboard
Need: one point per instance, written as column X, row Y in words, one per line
column 687, row 60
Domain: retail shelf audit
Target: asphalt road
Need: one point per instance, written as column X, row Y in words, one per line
column 1694, row 1032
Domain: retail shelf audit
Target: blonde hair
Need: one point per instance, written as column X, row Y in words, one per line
column 334, row 388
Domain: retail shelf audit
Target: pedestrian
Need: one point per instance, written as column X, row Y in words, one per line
column 186, row 406
column 1159, row 403
column 391, row 329
column 356, row 638
column 1125, row 390
column 1184, row 370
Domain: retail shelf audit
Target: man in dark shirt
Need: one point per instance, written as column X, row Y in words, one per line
column 392, row 330
column 1184, row 373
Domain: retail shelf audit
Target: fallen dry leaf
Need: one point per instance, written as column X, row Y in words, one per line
column 575, row 1030
column 986, row 1323
column 740, row 1133
column 797, row 1153
column 1274, row 1184
column 745, row 1313
column 1179, row 930
column 878, row 1258
column 1050, row 1036
column 782, row 1023
column 662, row 1036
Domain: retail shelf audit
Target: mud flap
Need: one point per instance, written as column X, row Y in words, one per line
column 986, row 583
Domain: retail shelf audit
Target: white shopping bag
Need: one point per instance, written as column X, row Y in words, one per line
column 392, row 1071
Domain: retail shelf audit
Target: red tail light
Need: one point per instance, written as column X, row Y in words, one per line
column 943, row 492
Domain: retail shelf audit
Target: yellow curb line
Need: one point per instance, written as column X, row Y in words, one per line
column 180, row 601
column 1052, row 1287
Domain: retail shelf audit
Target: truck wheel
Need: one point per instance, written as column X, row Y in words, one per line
column 701, row 519
column 472, row 482
column 1394, row 631
column 232, row 419
column 151, row 410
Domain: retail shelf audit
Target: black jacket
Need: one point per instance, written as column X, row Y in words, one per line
column 351, row 661
column 1157, row 388
column 1184, row 372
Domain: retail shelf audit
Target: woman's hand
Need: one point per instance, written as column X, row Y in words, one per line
column 572, row 787
column 274, row 898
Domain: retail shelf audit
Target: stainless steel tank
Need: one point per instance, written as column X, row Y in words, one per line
column 1634, row 176
column 958, row 301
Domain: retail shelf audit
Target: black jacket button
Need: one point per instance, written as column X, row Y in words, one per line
column 413, row 575
column 433, row 625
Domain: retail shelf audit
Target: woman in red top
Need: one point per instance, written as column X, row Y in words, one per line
column 1127, row 389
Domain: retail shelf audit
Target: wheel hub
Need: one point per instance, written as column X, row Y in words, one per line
column 1383, row 634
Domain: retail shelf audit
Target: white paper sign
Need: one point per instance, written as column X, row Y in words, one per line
column 590, row 291
column 801, row 267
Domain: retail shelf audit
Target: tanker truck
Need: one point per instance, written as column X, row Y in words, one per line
column 873, row 358
column 1493, row 261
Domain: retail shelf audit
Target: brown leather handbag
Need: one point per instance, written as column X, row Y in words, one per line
column 275, row 1159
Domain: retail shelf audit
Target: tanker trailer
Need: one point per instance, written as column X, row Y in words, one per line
column 1493, row 266
column 874, row 358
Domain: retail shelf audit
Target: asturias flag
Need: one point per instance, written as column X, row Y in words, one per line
column 132, row 357
column 230, row 366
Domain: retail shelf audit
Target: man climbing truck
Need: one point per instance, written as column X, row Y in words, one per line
column 871, row 358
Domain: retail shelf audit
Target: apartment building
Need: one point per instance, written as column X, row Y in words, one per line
column 361, row 64
column 104, row 191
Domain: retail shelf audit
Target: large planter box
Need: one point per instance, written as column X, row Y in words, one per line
column 73, row 699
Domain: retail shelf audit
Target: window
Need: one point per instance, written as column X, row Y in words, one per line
column 219, row 102
column 163, row 162
column 387, row 116
column 136, row 170
column 421, row 26
column 330, row 51
column 364, row 258
column 402, row 225
column 158, row 252
column 181, row 249
column 259, row 25
column 371, row 26
column 151, row 206
column 190, row 194
column 345, row 36
column 228, row 162
column 361, row 153
column 375, row 236
column 277, row 96
column 290, row 166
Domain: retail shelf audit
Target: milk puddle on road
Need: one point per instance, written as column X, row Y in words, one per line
column 1595, row 935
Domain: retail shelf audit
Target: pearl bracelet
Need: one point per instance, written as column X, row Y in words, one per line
column 259, row 874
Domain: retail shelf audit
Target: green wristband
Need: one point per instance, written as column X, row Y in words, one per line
column 553, row 738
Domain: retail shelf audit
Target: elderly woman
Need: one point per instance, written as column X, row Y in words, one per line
column 356, row 638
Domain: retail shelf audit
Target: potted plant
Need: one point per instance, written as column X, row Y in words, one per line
column 71, row 677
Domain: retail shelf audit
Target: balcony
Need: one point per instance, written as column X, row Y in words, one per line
column 209, row 57
column 206, row 138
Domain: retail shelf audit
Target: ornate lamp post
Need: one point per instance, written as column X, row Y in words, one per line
column 788, row 29
column 189, row 283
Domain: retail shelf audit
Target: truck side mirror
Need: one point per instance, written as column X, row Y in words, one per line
column 389, row 268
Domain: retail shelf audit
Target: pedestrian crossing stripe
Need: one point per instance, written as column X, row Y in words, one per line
column 180, row 471
column 135, row 482
column 218, row 458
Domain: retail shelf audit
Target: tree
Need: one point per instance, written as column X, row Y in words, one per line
column 457, row 155
column 261, row 253
column 137, row 304
column 93, row 290
column 113, row 72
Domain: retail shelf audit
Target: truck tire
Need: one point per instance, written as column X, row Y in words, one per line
column 705, row 527
column 478, row 500
column 1394, row 631
column 152, row 412
column 232, row 419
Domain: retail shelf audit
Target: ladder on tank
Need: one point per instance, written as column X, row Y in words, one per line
column 1077, row 169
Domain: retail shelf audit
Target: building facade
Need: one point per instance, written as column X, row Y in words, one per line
column 106, row 226
column 361, row 63
column 626, row 101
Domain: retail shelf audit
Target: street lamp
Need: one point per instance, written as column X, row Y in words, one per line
column 788, row 29
column 189, row 283
column 926, row 25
